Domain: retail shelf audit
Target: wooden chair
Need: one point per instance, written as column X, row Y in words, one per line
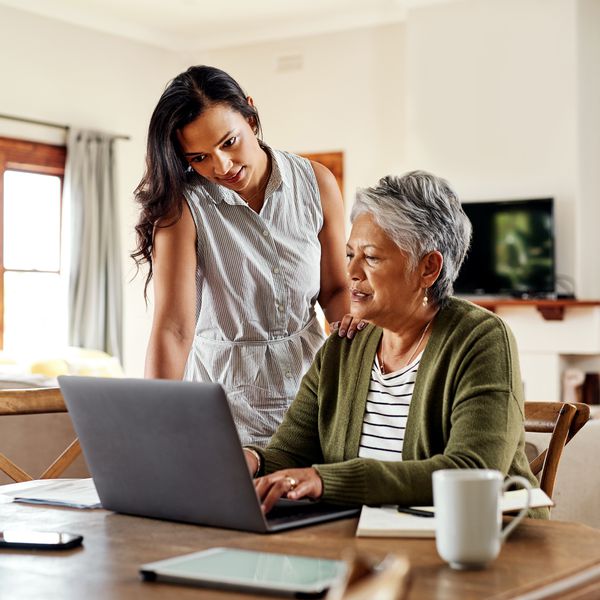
column 35, row 401
column 562, row 420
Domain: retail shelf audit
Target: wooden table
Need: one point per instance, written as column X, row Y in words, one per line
column 115, row 545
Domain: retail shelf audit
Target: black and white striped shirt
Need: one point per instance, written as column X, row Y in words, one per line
column 386, row 413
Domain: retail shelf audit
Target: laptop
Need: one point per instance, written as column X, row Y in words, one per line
column 170, row 450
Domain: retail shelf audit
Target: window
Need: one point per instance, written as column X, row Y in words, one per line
column 33, row 290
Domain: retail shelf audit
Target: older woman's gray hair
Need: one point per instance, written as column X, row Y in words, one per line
column 420, row 213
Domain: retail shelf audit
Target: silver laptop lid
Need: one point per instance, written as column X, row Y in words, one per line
column 164, row 449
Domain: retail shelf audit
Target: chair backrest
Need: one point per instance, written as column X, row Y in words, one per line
column 561, row 420
column 35, row 401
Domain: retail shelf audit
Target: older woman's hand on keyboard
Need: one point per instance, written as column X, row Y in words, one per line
column 288, row 483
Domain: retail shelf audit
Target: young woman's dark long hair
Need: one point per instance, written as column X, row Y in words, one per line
column 160, row 193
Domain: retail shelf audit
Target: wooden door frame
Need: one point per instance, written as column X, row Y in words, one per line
column 334, row 161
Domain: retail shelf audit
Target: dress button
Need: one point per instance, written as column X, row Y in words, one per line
column 275, row 270
column 288, row 374
column 265, row 233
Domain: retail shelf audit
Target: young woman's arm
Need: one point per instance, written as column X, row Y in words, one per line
column 334, row 297
column 174, row 321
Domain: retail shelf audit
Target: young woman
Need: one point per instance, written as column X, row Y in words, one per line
column 241, row 240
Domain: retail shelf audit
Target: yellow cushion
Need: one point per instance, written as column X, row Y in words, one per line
column 6, row 359
column 9, row 365
column 78, row 361
column 52, row 367
column 88, row 362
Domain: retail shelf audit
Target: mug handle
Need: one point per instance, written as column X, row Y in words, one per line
column 523, row 512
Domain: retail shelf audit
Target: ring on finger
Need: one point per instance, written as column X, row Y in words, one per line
column 293, row 483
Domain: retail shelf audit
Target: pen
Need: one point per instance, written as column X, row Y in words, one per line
column 416, row 511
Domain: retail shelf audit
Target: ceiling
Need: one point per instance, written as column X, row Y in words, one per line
column 193, row 25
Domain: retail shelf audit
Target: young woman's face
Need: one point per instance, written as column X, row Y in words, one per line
column 221, row 146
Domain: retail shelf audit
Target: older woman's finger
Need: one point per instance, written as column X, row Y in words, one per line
column 262, row 485
column 310, row 486
column 259, row 486
column 279, row 488
column 306, row 489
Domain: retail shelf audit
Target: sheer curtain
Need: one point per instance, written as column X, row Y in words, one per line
column 95, row 281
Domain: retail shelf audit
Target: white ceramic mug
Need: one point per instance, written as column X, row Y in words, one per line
column 468, row 515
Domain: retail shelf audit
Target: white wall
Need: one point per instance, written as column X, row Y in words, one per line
column 588, row 217
column 65, row 74
column 492, row 99
column 348, row 95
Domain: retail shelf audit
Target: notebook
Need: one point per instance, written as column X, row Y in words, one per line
column 74, row 493
column 170, row 450
column 386, row 521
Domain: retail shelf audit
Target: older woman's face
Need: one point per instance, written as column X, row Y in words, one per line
column 384, row 290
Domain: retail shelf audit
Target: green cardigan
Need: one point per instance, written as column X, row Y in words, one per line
column 466, row 412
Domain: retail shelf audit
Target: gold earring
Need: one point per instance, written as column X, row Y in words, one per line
column 425, row 298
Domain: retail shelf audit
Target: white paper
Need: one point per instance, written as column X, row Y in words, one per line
column 75, row 493
column 388, row 522
column 515, row 499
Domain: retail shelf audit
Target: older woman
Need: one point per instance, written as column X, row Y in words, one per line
column 433, row 382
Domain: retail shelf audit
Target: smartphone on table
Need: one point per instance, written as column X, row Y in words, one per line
column 27, row 539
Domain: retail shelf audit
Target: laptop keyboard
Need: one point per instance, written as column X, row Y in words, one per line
column 291, row 510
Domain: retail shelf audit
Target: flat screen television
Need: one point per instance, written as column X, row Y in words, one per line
column 512, row 249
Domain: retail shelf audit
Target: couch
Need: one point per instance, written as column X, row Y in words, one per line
column 577, row 487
